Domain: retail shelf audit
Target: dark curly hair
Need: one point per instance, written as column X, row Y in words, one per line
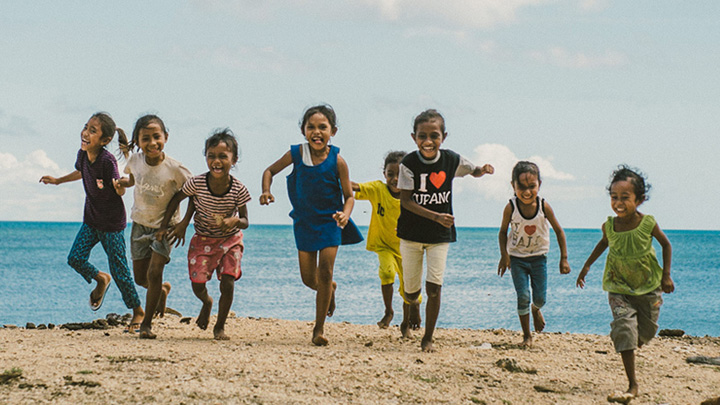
column 640, row 185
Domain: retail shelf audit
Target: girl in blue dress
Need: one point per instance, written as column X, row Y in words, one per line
column 321, row 196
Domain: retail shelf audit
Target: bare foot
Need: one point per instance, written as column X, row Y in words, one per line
column 97, row 296
column 414, row 318
column 623, row 397
column 203, row 318
column 427, row 345
column 138, row 315
column 331, row 308
column 160, row 310
column 146, row 333
column 527, row 342
column 318, row 339
column 538, row 319
column 405, row 330
column 384, row 323
column 220, row 334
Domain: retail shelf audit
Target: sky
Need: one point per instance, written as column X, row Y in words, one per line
column 577, row 86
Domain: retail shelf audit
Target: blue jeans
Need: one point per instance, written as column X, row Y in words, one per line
column 114, row 245
column 529, row 272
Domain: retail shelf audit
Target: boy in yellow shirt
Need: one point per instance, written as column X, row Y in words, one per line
column 382, row 238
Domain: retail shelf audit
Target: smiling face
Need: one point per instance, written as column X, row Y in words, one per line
column 318, row 131
column 220, row 159
column 91, row 139
column 151, row 140
column 428, row 137
column 623, row 199
column 526, row 188
column 391, row 172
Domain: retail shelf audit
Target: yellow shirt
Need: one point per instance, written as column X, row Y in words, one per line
column 382, row 233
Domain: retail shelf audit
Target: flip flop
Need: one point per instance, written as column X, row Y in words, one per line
column 97, row 306
column 132, row 328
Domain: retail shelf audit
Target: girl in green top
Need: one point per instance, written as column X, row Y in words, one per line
column 633, row 277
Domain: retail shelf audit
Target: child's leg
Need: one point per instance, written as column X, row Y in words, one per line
column 624, row 334
column 154, row 293
column 227, row 290
column 432, row 310
column 200, row 291
column 520, row 271
column 436, row 259
column 85, row 240
column 386, row 271
column 412, row 265
column 538, row 281
column 628, row 359
column 318, row 276
column 114, row 245
column 648, row 312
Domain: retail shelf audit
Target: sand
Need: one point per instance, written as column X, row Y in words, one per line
column 272, row 361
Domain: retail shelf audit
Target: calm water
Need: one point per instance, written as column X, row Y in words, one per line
column 38, row 286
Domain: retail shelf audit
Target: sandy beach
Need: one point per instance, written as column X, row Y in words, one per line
column 272, row 361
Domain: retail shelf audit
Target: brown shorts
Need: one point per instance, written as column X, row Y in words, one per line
column 634, row 319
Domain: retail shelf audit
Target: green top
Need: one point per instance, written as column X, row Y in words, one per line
column 631, row 267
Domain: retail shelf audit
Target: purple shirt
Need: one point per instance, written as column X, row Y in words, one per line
column 104, row 209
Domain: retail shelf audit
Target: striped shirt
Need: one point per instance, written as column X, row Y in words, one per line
column 211, row 209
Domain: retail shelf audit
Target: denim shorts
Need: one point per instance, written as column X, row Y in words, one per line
column 529, row 272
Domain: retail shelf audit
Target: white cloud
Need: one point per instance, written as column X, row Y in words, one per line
column 497, row 186
column 559, row 56
column 27, row 199
column 462, row 13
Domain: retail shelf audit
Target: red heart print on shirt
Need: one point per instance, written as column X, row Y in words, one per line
column 530, row 229
column 437, row 179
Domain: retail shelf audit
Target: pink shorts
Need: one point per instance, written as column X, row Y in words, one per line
column 207, row 254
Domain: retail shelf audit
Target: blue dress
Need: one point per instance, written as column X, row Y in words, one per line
column 316, row 195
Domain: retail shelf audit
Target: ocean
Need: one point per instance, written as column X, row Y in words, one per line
column 38, row 286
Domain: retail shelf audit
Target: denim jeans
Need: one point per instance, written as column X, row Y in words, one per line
column 529, row 272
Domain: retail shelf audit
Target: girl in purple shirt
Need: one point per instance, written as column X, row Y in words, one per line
column 104, row 215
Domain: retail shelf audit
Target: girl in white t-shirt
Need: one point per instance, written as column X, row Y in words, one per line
column 156, row 177
column 528, row 215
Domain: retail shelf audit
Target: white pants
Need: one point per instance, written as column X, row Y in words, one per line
column 412, row 261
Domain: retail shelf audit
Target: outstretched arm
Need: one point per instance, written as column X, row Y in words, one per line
column 667, row 284
column 76, row 175
column 355, row 186
column 342, row 217
column 560, row 234
column 266, row 197
column 599, row 249
column 482, row 170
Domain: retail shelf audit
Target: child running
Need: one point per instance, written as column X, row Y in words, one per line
column 317, row 186
column 382, row 235
column 104, row 214
column 633, row 277
column 220, row 203
column 528, row 215
column 426, row 224
column 157, row 178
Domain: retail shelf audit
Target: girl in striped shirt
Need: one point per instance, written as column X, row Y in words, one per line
column 219, row 201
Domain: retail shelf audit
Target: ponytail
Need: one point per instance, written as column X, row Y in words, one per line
column 125, row 147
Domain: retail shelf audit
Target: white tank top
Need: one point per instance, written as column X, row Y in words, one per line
column 528, row 236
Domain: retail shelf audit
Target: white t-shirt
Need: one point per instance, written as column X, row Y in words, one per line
column 528, row 236
column 155, row 186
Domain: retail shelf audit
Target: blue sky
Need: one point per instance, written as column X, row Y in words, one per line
column 578, row 86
